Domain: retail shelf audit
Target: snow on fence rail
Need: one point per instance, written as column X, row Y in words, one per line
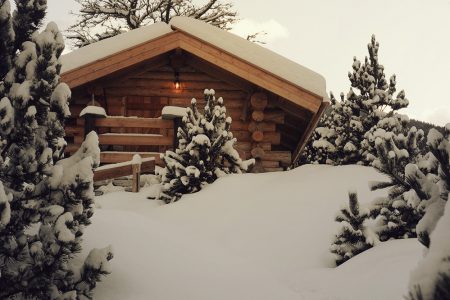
column 134, row 167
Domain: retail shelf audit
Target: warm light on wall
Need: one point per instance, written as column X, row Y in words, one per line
column 176, row 82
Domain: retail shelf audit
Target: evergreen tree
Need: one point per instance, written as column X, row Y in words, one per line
column 431, row 278
column 45, row 201
column 340, row 135
column 205, row 151
column 354, row 236
column 397, row 156
column 439, row 145
column 6, row 38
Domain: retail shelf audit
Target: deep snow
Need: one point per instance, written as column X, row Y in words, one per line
column 251, row 236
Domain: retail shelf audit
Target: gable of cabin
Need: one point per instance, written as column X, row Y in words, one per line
column 272, row 118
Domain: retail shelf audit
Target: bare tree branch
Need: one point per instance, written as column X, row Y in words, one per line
column 99, row 19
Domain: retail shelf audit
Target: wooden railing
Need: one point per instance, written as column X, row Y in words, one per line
column 122, row 137
column 134, row 167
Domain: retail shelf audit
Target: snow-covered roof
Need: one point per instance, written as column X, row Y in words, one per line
column 107, row 47
column 250, row 52
column 254, row 54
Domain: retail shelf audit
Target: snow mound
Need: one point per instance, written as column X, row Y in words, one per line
column 250, row 236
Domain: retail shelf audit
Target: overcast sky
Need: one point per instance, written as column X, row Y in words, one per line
column 324, row 35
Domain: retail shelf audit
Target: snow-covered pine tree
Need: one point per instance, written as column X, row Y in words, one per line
column 205, row 151
column 354, row 236
column 101, row 19
column 439, row 165
column 6, row 38
column 411, row 187
column 431, row 278
column 45, row 201
column 395, row 123
column 340, row 134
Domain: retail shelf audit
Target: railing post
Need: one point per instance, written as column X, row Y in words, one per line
column 176, row 114
column 89, row 114
column 136, row 172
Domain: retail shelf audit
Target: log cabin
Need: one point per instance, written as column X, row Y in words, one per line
column 274, row 102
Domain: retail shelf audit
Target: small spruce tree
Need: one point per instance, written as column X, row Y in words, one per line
column 397, row 156
column 340, row 134
column 205, row 150
column 431, row 279
column 354, row 237
column 46, row 201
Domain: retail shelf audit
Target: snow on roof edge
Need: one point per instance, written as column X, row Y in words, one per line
column 252, row 53
column 101, row 49
column 255, row 54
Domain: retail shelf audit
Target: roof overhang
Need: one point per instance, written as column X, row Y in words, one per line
column 181, row 40
column 163, row 38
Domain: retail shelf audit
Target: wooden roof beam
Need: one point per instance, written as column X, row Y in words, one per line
column 306, row 136
column 121, row 60
column 249, row 72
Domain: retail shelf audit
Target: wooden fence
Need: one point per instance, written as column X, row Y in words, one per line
column 122, row 137
column 134, row 167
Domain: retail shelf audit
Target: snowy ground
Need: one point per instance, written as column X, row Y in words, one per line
column 253, row 236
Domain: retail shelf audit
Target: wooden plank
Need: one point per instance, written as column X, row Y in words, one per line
column 136, row 178
column 73, row 130
column 239, row 125
column 184, row 76
column 247, row 146
column 129, row 139
column 108, row 157
column 111, row 173
column 276, row 116
column 134, row 123
column 183, row 93
column 168, row 84
column 148, row 166
column 261, row 126
column 242, row 135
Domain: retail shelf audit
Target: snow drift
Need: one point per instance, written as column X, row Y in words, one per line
column 251, row 236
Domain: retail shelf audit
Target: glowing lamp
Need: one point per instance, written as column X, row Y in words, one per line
column 176, row 82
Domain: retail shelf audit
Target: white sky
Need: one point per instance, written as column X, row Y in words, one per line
column 324, row 35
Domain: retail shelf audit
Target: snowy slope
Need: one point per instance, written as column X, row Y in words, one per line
column 253, row 236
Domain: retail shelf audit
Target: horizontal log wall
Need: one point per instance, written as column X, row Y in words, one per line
column 145, row 94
